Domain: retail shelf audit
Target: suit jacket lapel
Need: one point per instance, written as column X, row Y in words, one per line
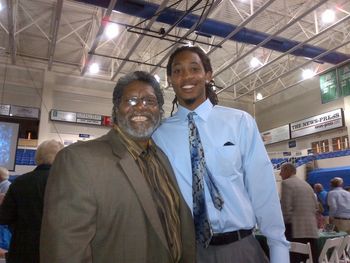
column 139, row 184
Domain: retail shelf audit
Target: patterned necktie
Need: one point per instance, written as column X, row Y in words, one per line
column 201, row 173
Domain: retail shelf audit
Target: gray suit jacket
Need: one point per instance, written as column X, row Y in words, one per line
column 299, row 207
column 98, row 208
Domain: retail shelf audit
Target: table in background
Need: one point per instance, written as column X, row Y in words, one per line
column 323, row 236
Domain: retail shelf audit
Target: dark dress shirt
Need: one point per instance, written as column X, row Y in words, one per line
column 22, row 210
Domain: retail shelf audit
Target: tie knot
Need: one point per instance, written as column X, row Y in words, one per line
column 190, row 115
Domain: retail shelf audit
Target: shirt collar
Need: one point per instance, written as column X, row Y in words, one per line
column 203, row 111
column 133, row 147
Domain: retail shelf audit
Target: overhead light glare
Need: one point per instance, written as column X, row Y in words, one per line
column 259, row 96
column 94, row 68
column 112, row 30
column 254, row 62
column 308, row 73
column 1, row 6
column 328, row 16
column 157, row 77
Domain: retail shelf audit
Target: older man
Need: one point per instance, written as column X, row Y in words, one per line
column 23, row 206
column 299, row 207
column 115, row 199
column 339, row 205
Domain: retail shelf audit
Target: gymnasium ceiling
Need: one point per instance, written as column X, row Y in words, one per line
column 286, row 36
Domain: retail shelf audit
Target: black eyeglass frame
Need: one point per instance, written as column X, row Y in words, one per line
column 147, row 101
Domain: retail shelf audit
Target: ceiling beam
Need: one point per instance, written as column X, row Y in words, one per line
column 243, row 24
column 286, row 53
column 140, row 38
column 100, row 31
column 54, row 31
column 291, row 22
column 11, row 17
column 293, row 69
column 172, row 48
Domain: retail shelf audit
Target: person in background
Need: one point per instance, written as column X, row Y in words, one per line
column 322, row 199
column 4, row 180
column 221, row 166
column 115, row 199
column 299, row 207
column 22, row 206
column 5, row 234
column 339, row 205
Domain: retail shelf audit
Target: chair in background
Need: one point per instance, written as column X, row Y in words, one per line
column 301, row 248
column 344, row 250
column 331, row 246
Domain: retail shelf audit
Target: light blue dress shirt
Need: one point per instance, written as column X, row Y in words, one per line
column 339, row 203
column 241, row 168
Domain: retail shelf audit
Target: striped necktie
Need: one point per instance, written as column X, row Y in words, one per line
column 201, row 173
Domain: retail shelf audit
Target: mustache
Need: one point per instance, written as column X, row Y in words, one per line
column 144, row 114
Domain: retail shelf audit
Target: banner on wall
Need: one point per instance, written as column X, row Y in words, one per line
column 58, row 115
column 4, row 109
column 80, row 117
column 276, row 135
column 323, row 122
column 19, row 111
column 88, row 118
column 27, row 112
column 335, row 83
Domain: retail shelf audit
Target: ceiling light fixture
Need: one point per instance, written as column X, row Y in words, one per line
column 112, row 30
column 328, row 16
column 259, row 96
column 308, row 73
column 254, row 62
column 94, row 68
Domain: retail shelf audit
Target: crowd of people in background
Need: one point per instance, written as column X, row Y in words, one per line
column 189, row 188
column 334, row 205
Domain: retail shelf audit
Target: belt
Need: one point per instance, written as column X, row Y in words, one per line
column 229, row 237
column 341, row 218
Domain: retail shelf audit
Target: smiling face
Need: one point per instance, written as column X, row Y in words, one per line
column 138, row 120
column 188, row 79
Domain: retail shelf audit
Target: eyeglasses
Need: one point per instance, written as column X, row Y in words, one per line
column 148, row 101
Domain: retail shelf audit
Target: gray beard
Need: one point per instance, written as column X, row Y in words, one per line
column 142, row 132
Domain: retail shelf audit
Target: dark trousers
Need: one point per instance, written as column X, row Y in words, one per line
column 296, row 257
column 246, row 250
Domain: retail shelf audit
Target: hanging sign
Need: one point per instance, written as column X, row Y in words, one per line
column 323, row 122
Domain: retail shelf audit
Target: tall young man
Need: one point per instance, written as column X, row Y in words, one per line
column 222, row 168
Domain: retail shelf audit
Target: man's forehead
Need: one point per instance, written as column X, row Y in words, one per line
column 139, row 87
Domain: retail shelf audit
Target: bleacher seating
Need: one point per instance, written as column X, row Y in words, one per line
column 300, row 160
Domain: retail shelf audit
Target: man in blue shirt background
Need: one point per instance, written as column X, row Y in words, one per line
column 322, row 198
column 339, row 205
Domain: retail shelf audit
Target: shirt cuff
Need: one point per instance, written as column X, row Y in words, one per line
column 279, row 254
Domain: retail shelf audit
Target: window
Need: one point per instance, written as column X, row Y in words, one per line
column 340, row 143
column 320, row 146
